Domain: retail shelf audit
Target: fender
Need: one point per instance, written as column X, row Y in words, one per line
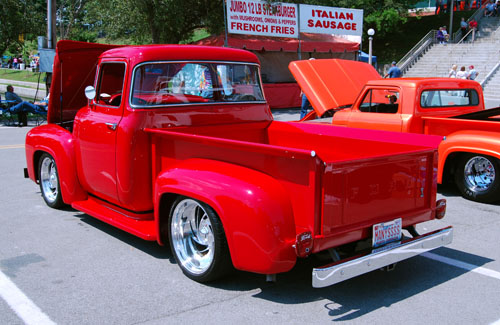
column 59, row 143
column 480, row 142
column 254, row 209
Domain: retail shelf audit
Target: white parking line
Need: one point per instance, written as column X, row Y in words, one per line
column 12, row 146
column 463, row 265
column 22, row 305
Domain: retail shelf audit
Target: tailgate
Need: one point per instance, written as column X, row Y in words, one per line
column 360, row 193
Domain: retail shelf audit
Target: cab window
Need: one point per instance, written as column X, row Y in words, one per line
column 110, row 87
column 380, row 101
column 449, row 97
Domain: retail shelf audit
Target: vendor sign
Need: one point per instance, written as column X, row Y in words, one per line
column 331, row 20
column 252, row 17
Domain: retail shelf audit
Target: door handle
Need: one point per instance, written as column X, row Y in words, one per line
column 111, row 126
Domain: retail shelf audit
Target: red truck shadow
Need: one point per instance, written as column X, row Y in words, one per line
column 379, row 289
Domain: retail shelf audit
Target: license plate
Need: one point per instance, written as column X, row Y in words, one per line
column 386, row 232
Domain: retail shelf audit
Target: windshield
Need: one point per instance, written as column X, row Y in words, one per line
column 160, row 84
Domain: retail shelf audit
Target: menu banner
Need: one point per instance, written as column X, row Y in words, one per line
column 251, row 17
column 331, row 20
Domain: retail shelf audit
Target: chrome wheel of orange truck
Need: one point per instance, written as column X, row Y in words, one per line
column 198, row 241
column 477, row 178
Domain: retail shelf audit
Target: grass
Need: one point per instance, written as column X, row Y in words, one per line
column 198, row 34
column 20, row 75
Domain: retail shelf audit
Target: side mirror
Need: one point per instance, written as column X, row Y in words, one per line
column 90, row 92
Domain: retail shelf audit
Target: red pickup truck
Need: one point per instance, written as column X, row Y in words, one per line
column 176, row 144
column 453, row 109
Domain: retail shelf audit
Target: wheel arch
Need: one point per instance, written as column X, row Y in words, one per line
column 59, row 143
column 254, row 209
column 465, row 142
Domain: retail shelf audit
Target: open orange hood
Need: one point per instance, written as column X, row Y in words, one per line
column 331, row 83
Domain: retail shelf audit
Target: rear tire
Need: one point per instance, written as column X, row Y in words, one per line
column 478, row 178
column 198, row 241
column 49, row 181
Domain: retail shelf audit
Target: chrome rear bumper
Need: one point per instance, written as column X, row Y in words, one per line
column 390, row 254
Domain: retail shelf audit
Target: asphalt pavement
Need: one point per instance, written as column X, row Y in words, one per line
column 65, row 267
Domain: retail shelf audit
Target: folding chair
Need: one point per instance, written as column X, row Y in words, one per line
column 7, row 116
column 41, row 116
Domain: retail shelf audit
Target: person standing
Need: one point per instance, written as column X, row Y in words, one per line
column 436, row 9
column 472, row 75
column 462, row 74
column 453, row 71
column 473, row 26
column 305, row 105
column 394, row 71
column 463, row 26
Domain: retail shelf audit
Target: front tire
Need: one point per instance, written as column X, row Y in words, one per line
column 478, row 178
column 49, row 181
column 198, row 241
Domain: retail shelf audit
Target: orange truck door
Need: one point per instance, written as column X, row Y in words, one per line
column 379, row 109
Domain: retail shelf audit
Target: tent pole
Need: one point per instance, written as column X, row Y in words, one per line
column 300, row 49
column 225, row 22
column 298, row 19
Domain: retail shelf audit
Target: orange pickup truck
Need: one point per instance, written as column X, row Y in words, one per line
column 353, row 94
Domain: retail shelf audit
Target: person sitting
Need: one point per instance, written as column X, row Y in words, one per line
column 440, row 36
column 446, row 35
column 21, row 107
column 490, row 9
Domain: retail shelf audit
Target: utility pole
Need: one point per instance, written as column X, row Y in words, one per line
column 51, row 24
column 450, row 31
column 225, row 22
column 51, row 36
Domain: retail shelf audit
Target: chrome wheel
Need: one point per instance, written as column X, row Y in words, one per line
column 476, row 177
column 49, row 181
column 479, row 174
column 192, row 236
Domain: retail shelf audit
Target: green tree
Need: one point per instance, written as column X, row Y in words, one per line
column 382, row 15
column 19, row 21
column 155, row 21
column 70, row 16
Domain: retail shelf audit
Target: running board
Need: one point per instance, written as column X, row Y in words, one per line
column 122, row 219
column 380, row 257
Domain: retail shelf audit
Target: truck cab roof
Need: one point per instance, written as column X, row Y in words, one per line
column 75, row 66
column 144, row 53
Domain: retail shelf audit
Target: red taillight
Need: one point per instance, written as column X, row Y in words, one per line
column 303, row 244
column 440, row 209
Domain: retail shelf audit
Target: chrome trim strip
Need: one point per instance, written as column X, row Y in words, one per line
column 132, row 79
column 341, row 271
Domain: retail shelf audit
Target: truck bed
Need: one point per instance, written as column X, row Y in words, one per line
column 349, row 179
column 484, row 120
